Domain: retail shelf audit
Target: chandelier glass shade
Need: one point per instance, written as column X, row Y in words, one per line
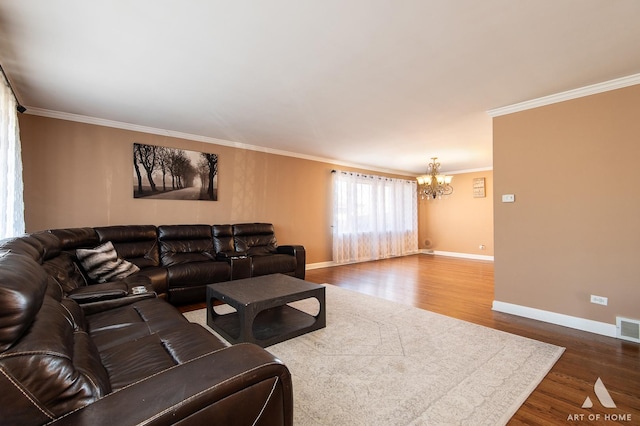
column 434, row 185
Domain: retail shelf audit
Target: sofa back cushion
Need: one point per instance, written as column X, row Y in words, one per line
column 23, row 284
column 39, row 246
column 55, row 364
column 64, row 269
column 180, row 244
column 136, row 243
column 21, row 245
column 223, row 239
column 48, row 363
column 73, row 238
column 255, row 239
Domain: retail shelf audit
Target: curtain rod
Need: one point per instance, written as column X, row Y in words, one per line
column 372, row 176
column 19, row 106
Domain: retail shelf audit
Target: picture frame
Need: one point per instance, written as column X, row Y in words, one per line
column 479, row 188
column 161, row 172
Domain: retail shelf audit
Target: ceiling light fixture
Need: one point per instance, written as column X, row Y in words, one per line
column 434, row 185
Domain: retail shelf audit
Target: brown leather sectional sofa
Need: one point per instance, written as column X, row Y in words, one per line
column 181, row 260
column 78, row 353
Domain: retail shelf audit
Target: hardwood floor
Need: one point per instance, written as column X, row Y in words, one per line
column 464, row 289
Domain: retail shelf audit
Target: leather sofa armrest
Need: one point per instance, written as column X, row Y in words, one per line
column 111, row 290
column 157, row 275
column 228, row 255
column 96, row 292
column 301, row 257
column 101, row 297
column 240, row 384
column 240, row 263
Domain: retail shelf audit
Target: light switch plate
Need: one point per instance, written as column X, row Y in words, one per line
column 508, row 198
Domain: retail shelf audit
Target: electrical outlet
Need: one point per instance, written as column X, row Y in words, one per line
column 599, row 300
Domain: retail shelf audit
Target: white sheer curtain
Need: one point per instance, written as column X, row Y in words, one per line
column 11, row 199
column 373, row 217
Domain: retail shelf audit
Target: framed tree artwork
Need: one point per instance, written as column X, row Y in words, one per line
column 174, row 174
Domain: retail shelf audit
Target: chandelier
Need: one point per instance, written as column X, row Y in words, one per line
column 434, row 185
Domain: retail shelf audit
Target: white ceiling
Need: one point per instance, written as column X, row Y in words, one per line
column 383, row 84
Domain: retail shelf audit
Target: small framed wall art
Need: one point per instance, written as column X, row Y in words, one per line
column 478, row 188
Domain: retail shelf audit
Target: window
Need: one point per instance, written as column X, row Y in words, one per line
column 373, row 217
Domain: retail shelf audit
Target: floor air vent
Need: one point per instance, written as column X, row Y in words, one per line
column 628, row 329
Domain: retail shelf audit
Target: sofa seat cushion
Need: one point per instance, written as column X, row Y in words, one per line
column 135, row 360
column 114, row 335
column 272, row 264
column 145, row 337
column 189, row 341
column 154, row 314
column 140, row 319
column 199, row 273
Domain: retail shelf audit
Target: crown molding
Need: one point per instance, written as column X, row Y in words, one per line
column 481, row 169
column 188, row 136
column 461, row 172
column 593, row 89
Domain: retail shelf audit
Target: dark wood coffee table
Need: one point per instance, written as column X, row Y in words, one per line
column 262, row 315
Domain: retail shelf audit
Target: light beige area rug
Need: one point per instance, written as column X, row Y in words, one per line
column 383, row 363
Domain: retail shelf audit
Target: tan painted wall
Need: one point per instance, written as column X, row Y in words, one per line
column 460, row 223
column 79, row 174
column 574, row 229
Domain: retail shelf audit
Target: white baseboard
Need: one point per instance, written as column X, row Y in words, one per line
column 460, row 255
column 319, row 265
column 329, row 264
column 577, row 323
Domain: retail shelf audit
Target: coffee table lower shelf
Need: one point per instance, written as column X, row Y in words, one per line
column 271, row 325
column 261, row 314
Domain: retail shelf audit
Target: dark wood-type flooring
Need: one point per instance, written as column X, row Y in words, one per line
column 463, row 289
